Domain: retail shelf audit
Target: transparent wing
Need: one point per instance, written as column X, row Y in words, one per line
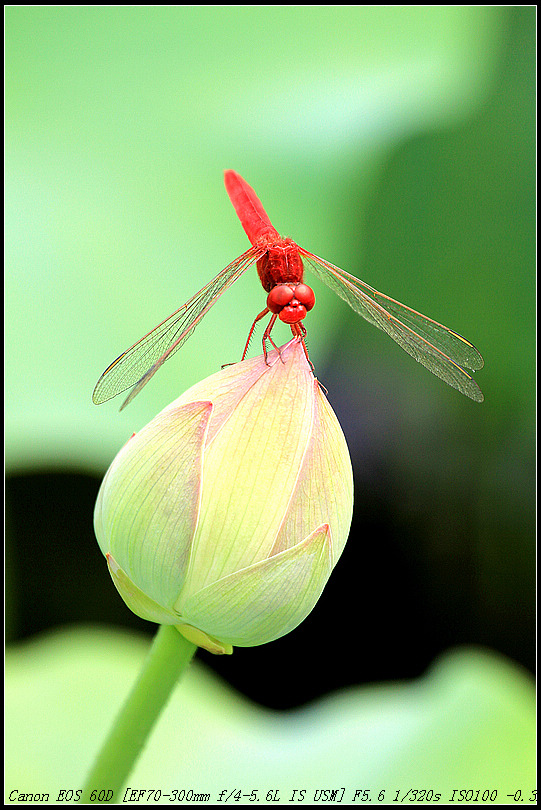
column 140, row 362
column 442, row 351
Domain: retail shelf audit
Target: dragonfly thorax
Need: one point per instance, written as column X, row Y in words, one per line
column 281, row 264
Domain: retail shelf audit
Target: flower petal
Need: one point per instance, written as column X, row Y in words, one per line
column 225, row 389
column 147, row 506
column 266, row 600
column 204, row 640
column 136, row 600
column 250, row 470
column 324, row 490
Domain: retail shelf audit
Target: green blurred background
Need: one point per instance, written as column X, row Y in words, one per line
column 397, row 142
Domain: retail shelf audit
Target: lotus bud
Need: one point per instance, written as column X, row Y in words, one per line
column 226, row 514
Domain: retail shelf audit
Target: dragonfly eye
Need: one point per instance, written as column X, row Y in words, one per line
column 305, row 295
column 279, row 297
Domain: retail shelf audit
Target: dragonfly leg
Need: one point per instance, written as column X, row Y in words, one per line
column 299, row 330
column 266, row 336
column 251, row 332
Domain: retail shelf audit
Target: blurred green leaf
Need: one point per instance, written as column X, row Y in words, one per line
column 467, row 724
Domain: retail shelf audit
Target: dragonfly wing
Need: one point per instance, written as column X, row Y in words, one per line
column 443, row 352
column 136, row 366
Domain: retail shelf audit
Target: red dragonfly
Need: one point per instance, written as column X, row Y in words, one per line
column 280, row 265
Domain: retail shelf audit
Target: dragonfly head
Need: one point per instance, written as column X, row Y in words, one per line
column 291, row 302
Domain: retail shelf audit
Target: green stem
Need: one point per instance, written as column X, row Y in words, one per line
column 169, row 656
